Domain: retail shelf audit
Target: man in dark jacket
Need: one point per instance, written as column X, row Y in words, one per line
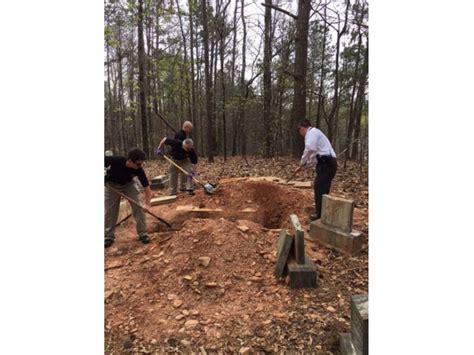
column 183, row 154
column 185, row 131
column 120, row 174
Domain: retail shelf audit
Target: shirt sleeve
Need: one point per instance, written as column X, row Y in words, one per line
column 309, row 149
column 175, row 143
column 142, row 177
column 108, row 161
column 193, row 157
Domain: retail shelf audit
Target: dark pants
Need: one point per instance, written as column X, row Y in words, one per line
column 325, row 172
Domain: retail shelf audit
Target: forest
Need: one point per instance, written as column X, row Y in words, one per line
column 244, row 72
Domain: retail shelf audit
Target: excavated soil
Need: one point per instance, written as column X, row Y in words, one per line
column 162, row 297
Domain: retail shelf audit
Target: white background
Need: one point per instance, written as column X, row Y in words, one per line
column 421, row 179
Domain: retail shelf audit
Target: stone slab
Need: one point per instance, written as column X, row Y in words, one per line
column 299, row 238
column 265, row 178
column 159, row 185
column 347, row 243
column 162, row 200
column 337, row 212
column 302, row 275
column 345, row 345
column 159, row 179
column 360, row 323
column 285, row 242
column 124, row 212
column 302, row 184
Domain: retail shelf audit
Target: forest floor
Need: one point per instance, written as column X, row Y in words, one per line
column 161, row 297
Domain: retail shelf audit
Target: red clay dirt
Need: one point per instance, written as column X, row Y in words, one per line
column 161, row 297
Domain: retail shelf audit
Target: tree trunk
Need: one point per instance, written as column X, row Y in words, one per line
column 209, row 103
column 322, row 76
column 142, row 80
column 298, row 111
column 335, row 104
column 267, row 81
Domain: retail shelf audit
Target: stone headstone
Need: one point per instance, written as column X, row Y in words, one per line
column 346, row 347
column 347, row 243
column 360, row 323
column 285, row 241
column 337, row 212
column 302, row 275
column 299, row 238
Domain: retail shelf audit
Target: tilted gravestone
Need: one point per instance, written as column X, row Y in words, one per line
column 301, row 269
column 334, row 229
column 285, row 241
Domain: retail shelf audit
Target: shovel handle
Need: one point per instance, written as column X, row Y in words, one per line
column 138, row 205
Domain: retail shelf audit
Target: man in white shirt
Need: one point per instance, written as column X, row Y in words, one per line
column 318, row 150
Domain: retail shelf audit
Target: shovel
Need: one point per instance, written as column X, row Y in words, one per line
column 208, row 188
column 137, row 204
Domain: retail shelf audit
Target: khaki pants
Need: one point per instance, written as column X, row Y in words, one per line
column 112, row 206
column 184, row 181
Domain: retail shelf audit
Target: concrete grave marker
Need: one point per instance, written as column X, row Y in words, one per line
column 285, row 241
column 360, row 323
column 299, row 239
column 302, row 275
column 334, row 229
column 337, row 212
column 357, row 341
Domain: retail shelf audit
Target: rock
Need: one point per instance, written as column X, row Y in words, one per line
column 185, row 342
column 172, row 296
column 194, row 312
column 204, row 260
column 108, row 294
column 190, row 324
column 245, row 350
column 243, row 228
column 153, row 341
column 127, row 344
column 331, row 309
column 179, row 317
column 185, row 312
column 210, row 284
column 177, row 303
column 188, row 277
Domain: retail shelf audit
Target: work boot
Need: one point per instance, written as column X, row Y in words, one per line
column 190, row 192
column 144, row 239
column 108, row 242
column 182, row 189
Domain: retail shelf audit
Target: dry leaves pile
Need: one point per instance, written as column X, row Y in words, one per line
column 209, row 286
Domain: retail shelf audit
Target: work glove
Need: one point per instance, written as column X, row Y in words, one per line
column 158, row 151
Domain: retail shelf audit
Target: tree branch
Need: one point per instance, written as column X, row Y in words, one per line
column 281, row 10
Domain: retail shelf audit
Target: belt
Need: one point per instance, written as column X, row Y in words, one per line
column 325, row 158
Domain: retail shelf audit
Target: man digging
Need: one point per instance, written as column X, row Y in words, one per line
column 317, row 150
column 183, row 154
column 120, row 174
